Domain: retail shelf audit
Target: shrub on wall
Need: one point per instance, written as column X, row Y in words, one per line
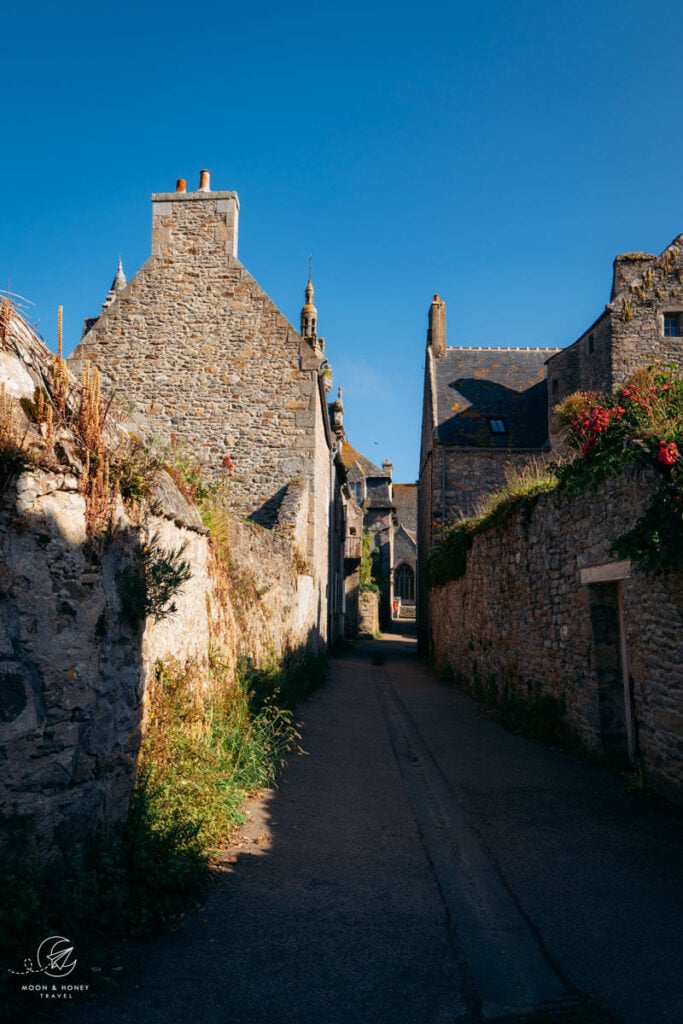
column 641, row 424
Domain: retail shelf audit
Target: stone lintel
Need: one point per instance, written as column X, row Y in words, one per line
column 607, row 573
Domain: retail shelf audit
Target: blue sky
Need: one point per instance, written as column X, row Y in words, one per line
column 499, row 154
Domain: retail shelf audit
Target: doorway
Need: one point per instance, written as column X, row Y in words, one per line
column 610, row 659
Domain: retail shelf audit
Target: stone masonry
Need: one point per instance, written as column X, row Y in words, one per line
column 544, row 610
column 629, row 334
column 73, row 668
column 204, row 354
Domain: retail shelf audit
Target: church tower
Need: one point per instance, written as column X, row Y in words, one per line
column 309, row 319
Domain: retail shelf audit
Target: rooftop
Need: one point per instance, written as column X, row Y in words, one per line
column 492, row 397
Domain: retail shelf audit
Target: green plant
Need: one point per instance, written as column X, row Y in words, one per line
column 367, row 578
column 14, row 458
column 522, row 486
column 641, row 424
column 204, row 748
column 135, row 468
column 150, row 584
column 189, row 471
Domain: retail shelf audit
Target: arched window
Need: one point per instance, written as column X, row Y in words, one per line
column 404, row 582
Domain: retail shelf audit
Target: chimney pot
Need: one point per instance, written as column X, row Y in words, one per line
column 204, row 181
column 181, row 185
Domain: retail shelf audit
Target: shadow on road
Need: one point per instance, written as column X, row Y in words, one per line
column 333, row 903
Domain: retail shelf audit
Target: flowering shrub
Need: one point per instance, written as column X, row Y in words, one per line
column 641, row 424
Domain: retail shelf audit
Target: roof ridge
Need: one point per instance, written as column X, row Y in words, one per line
column 503, row 348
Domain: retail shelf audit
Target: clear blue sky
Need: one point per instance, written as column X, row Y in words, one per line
column 499, row 154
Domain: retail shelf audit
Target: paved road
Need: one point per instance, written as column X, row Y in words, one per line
column 419, row 865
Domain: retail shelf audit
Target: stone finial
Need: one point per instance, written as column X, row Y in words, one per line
column 309, row 316
column 117, row 285
column 119, row 281
column 338, row 415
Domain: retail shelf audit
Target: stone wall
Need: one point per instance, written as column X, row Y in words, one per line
column 74, row 670
column 629, row 334
column 74, row 661
column 368, row 613
column 543, row 611
column 203, row 353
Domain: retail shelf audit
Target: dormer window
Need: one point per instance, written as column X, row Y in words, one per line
column 672, row 325
column 498, row 426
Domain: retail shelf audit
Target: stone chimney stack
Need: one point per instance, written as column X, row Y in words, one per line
column 388, row 468
column 436, row 335
column 627, row 268
column 195, row 224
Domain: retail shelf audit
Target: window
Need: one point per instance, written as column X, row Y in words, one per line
column 672, row 325
column 498, row 426
column 404, row 582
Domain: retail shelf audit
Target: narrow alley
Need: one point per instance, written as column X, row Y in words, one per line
column 421, row 864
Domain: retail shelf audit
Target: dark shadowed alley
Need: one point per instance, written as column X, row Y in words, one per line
column 419, row 864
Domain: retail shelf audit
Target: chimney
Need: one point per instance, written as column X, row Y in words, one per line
column 436, row 335
column 194, row 224
column 627, row 268
column 388, row 468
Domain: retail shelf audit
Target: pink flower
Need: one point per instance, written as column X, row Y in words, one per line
column 668, row 453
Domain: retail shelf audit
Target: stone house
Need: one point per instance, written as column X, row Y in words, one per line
column 372, row 489
column 404, row 565
column 484, row 410
column 205, row 356
column 641, row 324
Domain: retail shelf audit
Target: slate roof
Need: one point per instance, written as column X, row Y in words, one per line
column 476, row 385
column 405, row 500
column 354, row 461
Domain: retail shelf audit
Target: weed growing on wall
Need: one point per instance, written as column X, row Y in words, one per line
column 13, row 456
column 448, row 561
column 150, row 585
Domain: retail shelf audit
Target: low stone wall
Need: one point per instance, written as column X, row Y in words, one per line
column 542, row 611
column 368, row 613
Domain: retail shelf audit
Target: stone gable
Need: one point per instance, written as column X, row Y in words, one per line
column 205, row 355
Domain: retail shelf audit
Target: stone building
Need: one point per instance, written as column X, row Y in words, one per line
column 204, row 355
column 404, row 565
column 641, row 324
column 484, row 410
column 372, row 489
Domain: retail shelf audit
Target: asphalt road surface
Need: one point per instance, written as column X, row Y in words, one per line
column 421, row 865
